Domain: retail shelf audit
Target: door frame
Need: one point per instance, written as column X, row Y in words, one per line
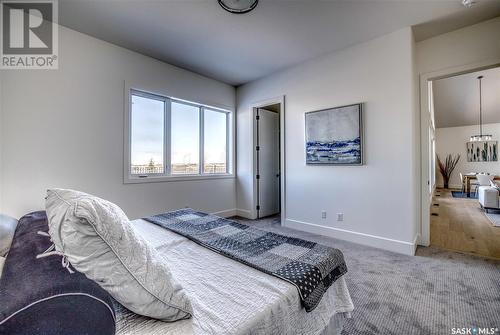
column 426, row 122
column 260, row 104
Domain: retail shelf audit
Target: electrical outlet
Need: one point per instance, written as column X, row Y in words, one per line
column 340, row 216
column 323, row 214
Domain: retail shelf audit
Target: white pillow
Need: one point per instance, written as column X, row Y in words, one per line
column 98, row 240
column 495, row 185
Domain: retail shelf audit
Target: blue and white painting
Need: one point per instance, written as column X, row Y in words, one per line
column 333, row 136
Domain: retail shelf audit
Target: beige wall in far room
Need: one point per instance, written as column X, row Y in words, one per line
column 452, row 140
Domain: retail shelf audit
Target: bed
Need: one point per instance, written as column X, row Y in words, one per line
column 227, row 296
column 231, row 298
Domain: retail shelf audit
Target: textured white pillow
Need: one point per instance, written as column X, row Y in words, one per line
column 96, row 237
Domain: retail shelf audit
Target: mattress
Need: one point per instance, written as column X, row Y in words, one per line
column 231, row 298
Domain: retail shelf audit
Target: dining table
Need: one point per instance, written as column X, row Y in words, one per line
column 472, row 176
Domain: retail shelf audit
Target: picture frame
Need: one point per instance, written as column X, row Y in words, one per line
column 334, row 136
column 482, row 151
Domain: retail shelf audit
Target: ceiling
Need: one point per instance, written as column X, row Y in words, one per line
column 200, row 36
column 456, row 99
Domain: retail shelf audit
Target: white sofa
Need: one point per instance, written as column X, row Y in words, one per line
column 488, row 197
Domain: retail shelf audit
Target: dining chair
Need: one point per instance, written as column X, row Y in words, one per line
column 473, row 183
column 462, row 181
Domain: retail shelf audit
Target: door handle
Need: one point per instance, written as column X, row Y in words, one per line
column 277, row 175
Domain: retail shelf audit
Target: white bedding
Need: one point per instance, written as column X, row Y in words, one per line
column 229, row 297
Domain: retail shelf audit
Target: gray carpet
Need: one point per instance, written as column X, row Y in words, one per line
column 430, row 293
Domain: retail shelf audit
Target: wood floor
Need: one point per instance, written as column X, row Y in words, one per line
column 461, row 225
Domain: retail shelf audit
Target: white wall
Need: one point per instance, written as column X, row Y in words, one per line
column 469, row 45
column 378, row 199
column 64, row 128
column 452, row 140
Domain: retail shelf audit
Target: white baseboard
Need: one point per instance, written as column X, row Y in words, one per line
column 402, row 247
column 226, row 213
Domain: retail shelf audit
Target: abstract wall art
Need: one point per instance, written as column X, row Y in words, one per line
column 482, row 151
column 335, row 136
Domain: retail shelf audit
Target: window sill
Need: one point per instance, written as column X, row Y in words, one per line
column 162, row 179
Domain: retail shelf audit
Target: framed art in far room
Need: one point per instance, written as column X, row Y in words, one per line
column 334, row 136
column 482, row 151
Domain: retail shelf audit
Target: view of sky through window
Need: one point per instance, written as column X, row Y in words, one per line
column 147, row 123
column 185, row 125
column 147, row 137
column 215, row 141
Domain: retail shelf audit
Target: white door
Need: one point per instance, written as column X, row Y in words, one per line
column 268, row 163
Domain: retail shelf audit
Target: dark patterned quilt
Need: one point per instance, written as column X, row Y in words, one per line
column 309, row 266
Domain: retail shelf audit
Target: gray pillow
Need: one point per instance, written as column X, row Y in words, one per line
column 7, row 229
column 98, row 240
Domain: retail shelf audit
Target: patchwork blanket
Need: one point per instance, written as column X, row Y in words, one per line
column 309, row 266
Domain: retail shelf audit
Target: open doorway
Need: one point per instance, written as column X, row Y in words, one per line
column 267, row 153
column 463, row 131
column 268, row 158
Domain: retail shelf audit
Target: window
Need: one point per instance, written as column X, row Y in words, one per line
column 185, row 139
column 147, row 132
column 169, row 138
column 215, row 142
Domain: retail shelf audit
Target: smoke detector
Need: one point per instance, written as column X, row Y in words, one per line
column 468, row 3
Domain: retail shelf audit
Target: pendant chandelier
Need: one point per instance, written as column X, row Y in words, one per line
column 481, row 136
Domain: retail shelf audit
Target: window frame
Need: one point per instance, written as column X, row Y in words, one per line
column 167, row 175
